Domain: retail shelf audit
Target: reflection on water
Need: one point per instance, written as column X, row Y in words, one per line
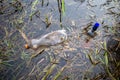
column 80, row 57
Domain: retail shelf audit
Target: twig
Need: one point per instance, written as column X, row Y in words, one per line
column 24, row 36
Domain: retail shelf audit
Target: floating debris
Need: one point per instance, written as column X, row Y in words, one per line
column 50, row 39
column 94, row 28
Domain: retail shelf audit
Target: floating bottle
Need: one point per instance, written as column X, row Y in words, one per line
column 50, row 39
column 92, row 33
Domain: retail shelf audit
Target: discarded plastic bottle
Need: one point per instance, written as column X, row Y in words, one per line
column 94, row 28
column 50, row 39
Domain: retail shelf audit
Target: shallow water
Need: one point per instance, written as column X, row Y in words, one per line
column 73, row 58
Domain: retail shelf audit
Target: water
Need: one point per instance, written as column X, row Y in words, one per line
column 79, row 58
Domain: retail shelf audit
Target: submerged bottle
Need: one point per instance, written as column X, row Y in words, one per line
column 50, row 39
column 94, row 28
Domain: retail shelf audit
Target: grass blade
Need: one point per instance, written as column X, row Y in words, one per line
column 63, row 7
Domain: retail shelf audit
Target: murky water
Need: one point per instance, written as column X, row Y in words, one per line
column 80, row 58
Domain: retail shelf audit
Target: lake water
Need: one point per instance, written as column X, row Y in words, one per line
column 79, row 58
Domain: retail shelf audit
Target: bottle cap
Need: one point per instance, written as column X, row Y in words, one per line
column 96, row 24
column 26, row 46
column 95, row 27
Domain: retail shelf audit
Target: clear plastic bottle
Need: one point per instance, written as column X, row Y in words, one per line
column 50, row 39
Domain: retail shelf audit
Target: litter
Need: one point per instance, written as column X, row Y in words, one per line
column 50, row 39
column 94, row 28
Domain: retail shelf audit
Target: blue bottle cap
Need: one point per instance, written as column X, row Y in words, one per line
column 95, row 27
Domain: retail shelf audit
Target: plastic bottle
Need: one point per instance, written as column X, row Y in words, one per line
column 94, row 28
column 50, row 39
